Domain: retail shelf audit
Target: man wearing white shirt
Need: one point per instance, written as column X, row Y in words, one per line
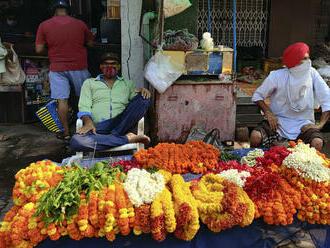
column 293, row 91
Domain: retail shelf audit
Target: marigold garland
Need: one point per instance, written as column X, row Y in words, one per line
column 195, row 156
column 185, row 207
column 222, row 204
column 34, row 180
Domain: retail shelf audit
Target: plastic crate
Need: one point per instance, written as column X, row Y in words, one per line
column 48, row 116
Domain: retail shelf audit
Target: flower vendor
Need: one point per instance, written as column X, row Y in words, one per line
column 294, row 92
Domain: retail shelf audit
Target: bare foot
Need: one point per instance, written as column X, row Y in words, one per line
column 133, row 138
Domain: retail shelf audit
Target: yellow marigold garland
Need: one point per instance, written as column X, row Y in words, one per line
column 222, row 204
column 185, row 207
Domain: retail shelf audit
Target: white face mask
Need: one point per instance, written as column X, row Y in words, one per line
column 11, row 22
column 302, row 69
column 298, row 83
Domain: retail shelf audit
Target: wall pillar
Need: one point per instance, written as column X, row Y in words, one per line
column 131, row 43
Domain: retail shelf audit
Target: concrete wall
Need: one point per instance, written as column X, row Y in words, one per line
column 131, row 43
column 290, row 21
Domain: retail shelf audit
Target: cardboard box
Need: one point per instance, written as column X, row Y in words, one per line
column 202, row 62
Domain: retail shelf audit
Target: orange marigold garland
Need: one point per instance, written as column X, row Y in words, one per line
column 195, row 156
column 34, row 180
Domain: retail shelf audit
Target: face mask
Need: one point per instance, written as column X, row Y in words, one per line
column 109, row 71
column 11, row 22
column 302, row 69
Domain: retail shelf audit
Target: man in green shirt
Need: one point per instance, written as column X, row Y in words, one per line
column 109, row 106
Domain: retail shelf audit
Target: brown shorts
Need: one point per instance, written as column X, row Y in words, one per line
column 272, row 138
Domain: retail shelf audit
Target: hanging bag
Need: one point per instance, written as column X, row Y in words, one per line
column 14, row 73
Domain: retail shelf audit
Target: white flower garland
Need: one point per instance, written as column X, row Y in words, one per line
column 234, row 176
column 142, row 186
column 307, row 163
column 250, row 158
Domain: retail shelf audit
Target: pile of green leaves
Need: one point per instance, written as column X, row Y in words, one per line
column 64, row 200
column 227, row 156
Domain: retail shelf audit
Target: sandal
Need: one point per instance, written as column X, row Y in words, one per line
column 61, row 136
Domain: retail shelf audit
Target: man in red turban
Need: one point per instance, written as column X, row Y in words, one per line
column 294, row 92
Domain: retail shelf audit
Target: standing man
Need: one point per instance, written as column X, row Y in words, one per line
column 66, row 39
column 109, row 106
column 293, row 92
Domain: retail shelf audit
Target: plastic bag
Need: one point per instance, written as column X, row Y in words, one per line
column 180, row 40
column 212, row 137
column 161, row 72
column 174, row 7
column 14, row 73
column 3, row 54
column 325, row 71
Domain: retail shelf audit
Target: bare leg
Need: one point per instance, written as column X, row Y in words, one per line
column 255, row 138
column 317, row 143
column 62, row 111
column 133, row 138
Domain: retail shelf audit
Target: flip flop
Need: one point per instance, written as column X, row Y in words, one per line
column 61, row 136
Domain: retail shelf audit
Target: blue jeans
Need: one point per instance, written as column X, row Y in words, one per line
column 111, row 133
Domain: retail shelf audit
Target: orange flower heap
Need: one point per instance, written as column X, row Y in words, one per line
column 280, row 206
column 195, row 156
column 222, row 204
column 315, row 199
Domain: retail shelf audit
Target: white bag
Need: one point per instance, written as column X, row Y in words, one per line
column 174, row 7
column 3, row 54
column 161, row 72
column 14, row 73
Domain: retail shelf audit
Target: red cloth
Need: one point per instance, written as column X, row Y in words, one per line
column 65, row 37
column 294, row 53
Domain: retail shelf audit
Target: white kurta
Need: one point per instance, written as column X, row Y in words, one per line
column 290, row 121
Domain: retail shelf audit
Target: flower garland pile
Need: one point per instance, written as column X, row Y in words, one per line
column 315, row 198
column 195, row 156
column 222, row 204
column 35, row 180
column 307, row 163
column 142, row 186
column 275, row 155
column 234, row 176
column 125, row 165
column 185, row 207
column 250, row 158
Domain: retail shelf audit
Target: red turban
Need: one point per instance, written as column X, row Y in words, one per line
column 294, row 53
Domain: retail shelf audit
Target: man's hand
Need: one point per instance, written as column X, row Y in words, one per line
column 309, row 126
column 144, row 92
column 272, row 120
column 86, row 128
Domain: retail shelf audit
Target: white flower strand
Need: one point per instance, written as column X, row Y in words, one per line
column 142, row 186
column 234, row 176
column 250, row 158
column 307, row 163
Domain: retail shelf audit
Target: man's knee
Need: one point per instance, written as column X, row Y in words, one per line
column 255, row 138
column 317, row 143
column 142, row 101
column 77, row 142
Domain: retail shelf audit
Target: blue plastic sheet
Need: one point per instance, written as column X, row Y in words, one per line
column 257, row 235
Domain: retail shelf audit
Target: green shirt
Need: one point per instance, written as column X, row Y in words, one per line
column 101, row 102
